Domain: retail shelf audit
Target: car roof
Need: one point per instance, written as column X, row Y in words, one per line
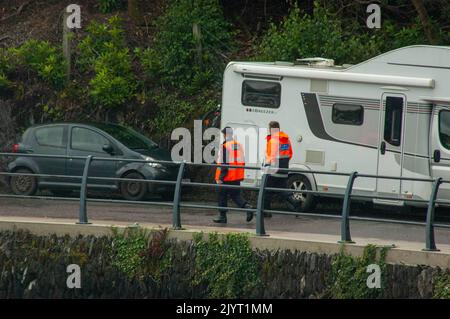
column 92, row 124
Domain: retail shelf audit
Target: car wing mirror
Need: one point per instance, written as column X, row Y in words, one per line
column 108, row 148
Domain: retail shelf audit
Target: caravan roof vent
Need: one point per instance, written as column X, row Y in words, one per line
column 318, row 62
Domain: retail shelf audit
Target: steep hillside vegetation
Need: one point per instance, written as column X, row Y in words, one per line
column 156, row 65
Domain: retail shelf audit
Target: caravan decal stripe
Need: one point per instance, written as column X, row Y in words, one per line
column 334, row 97
column 372, row 104
column 315, row 122
column 420, row 65
column 316, row 125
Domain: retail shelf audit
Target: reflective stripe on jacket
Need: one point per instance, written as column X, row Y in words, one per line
column 232, row 154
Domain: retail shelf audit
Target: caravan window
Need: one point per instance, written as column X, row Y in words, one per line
column 261, row 93
column 444, row 128
column 393, row 120
column 348, row 114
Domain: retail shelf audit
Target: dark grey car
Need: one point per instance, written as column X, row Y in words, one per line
column 99, row 140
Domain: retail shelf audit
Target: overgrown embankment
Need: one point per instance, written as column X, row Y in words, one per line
column 156, row 65
column 136, row 264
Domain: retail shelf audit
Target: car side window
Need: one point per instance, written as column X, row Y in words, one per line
column 50, row 136
column 87, row 140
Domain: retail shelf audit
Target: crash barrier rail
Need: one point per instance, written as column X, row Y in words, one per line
column 177, row 204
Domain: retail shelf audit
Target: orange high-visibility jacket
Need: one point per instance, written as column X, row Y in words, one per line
column 234, row 156
column 278, row 147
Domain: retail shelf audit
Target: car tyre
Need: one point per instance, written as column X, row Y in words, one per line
column 299, row 202
column 135, row 190
column 24, row 185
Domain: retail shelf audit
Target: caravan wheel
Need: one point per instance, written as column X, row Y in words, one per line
column 300, row 202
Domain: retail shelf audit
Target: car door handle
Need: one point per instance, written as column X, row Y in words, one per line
column 383, row 147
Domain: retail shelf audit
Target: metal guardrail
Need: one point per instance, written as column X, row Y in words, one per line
column 177, row 204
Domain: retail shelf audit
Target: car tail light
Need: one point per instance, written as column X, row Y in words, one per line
column 15, row 148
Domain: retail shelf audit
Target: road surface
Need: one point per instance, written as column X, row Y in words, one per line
column 200, row 217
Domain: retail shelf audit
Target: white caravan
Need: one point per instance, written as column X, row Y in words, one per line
column 389, row 115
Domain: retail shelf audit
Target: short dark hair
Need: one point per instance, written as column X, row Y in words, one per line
column 274, row 124
column 228, row 130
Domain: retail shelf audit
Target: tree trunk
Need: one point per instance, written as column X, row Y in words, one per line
column 425, row 20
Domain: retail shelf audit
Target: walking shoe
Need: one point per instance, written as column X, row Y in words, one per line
column 222, row 219
column 249, row 214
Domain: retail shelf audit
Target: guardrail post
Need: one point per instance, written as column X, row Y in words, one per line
column 430, row 244
column 176, row 220
column 260, row 230
column 345, row 223
column 83, row 192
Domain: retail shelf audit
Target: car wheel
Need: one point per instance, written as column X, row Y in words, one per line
column 135, row 190
column 300, row 202
column 23, row 185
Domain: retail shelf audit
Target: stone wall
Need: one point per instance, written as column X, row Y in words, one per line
column 35, row 267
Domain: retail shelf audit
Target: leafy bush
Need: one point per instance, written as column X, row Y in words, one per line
column 106, row 6
column 127, row 248
column 113, row 83
column 5, row 84
column 348, row 276
column 174, row 60
column 100, row 39
column 227, row 267
column 175, row 110
column 103, row 52
column 301, row 35
column 109, row 90
column 442, row 287
column 6, row 61
column 137, row 254
column 44, row 59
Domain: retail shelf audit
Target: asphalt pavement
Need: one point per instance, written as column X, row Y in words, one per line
column 144, row 213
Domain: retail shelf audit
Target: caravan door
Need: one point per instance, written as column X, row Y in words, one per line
column 390, row 146
column 440, row 147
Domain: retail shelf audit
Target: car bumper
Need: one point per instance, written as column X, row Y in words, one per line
column 160, row 176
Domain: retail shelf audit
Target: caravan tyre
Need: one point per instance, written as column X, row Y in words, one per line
column 300, row 202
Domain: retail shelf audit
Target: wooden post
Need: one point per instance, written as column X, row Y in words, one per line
column 196, row 31
column 66, row 44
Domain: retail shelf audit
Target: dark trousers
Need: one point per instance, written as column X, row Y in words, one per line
column 275, row 182
column 234, row 193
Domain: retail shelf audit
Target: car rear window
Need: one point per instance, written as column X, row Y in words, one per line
column 50, row 136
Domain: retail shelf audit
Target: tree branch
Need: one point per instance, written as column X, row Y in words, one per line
column 425, row 20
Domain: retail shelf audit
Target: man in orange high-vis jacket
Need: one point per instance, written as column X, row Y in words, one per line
column 231, row 153
column 278, row 155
